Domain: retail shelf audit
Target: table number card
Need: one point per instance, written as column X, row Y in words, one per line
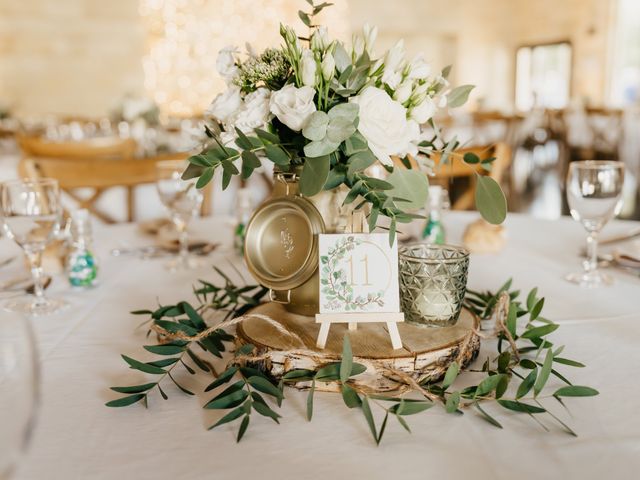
column 358, row 283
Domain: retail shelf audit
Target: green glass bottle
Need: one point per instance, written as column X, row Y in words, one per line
column 434, row 231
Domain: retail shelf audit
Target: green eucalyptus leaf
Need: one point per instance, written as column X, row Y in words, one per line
column 266, row 136
column 539, row 332
column 229, row 417
column 320, row 148
column 410, row 408
column 341, row 57
column 575, row 391
column 243, row 427
column 566, row 361
column 346, row 362
column 316, row 127
column 298, row 375
column 347, row 111
column 354, row 144
column 167, row 349
column 361, row 161
column 453, row 402
column 471, row 158
column 532, row 298
column 411, row 185
column 192, row 171
column 265, row 386
column 488, row 385
column 340, row 129
column 366, row 410
column 314, row 175
column 450, row 376
column 545, row 371
column 143, row 367
column 205, row 178
column 350, row 397
column 520, row 407
column 486, row 416
column 490, row 200
column 264, row 410
column 250, row 162
column 459, row 96
column 334, row 179
column 126, row 401
column 527, row 384
column 277, row 155
column 312, row 390
column 135, row 388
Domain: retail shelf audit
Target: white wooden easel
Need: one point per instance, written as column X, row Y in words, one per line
column 357, row 225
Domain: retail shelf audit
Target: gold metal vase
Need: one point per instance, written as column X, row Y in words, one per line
column 281, row 243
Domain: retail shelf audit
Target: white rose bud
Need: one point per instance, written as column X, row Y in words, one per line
column 419, row 69
column 309, row 68
column 293, row 106
column 328, row 67
column 226, row 64
column 424, row 111
column 320, row 39
column 358, row 45
column 403, row 92
column 369, row 33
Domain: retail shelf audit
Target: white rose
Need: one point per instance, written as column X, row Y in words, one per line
column 293, row 106
column 403, row 92
column 383, row 122
column 424, row 111
column 255, row 111
column 225, row 105
column 309, row 68
column 419, row 69
column 226, row 64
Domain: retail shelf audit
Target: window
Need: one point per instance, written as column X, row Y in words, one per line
column 543, row 76
column 625, row 74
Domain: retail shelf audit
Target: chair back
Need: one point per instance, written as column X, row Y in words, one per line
column 459, row 177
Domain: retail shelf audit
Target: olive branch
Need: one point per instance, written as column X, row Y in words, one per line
column 514, row 378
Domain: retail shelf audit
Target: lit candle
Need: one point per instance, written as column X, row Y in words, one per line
column 434, row 303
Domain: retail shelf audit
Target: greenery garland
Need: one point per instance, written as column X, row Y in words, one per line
column 524, row 356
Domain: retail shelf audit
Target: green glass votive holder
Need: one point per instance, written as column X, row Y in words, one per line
column 433, row 283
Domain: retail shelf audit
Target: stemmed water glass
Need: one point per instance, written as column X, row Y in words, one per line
column 594, row 193
column 30, row 213
column 19, row 381
column 183, row 200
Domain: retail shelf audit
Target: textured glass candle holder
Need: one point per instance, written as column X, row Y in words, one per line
column 433, row 282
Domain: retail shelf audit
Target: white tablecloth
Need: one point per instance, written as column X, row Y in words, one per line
column 77, row 437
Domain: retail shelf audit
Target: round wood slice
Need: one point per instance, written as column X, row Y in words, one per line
column 426, row 353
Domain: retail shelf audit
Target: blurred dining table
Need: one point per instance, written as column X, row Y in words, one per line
column 77, row 437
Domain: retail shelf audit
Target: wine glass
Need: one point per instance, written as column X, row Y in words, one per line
column 30, row 212
column 183, row 200
column 19, row 381
column 594, row 193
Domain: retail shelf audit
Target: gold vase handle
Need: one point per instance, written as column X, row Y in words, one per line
column 273, row 296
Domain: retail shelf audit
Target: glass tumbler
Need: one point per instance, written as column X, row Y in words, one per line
column 433, row 283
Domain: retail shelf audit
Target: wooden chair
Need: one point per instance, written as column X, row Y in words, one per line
column 99, row 147
column 98, row 164
column 455, row 169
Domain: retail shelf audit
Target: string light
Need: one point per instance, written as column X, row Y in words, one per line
column 184, row 37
